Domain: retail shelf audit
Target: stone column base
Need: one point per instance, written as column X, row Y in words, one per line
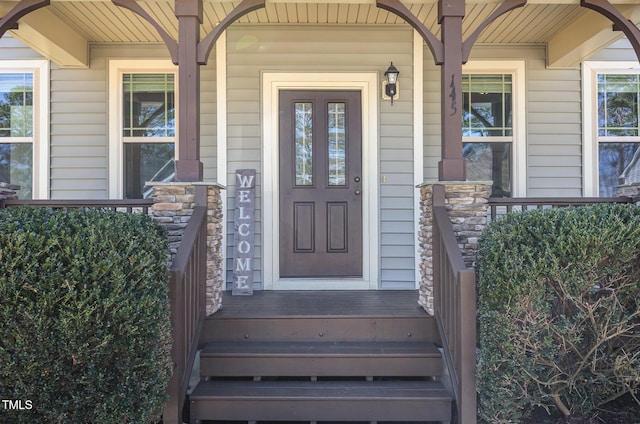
column 466, row 203
column 173, row 207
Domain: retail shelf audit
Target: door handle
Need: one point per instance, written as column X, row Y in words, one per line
column 357, row 192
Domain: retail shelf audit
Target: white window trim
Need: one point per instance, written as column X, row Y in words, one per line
column 517, row 69
column 418, row 146
column 221, row 134
column 367, row 83
column 116, row 69
column 41, row 169
column 590, row 71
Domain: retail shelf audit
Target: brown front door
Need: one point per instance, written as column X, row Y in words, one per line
column 320, row 184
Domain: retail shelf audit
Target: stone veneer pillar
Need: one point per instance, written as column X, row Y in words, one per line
column 466, row 203
column 173, row 207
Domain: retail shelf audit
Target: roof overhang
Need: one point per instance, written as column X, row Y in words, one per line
column 64, row 30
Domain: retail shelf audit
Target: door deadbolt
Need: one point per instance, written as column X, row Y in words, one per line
column 356, row 179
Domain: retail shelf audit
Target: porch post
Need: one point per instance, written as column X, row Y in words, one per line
column 452, row 166
column 188, row 165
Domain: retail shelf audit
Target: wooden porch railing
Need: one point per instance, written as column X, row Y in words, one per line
column 128, row 206
column 187, row 294
column 499, row 206
column 455, row 309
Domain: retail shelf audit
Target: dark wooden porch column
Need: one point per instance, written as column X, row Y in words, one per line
column 188, row 165
column 450, row 53
column 452, row 166
column 188, row 53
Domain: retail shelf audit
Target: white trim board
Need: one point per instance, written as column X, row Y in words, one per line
column 221, row 137
column 367, row 84
column 418, row 144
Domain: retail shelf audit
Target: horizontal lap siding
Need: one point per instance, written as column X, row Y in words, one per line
column 80, row 121
column 554, row 132
column 317, row 48
column 80, row 131
column 13, row 49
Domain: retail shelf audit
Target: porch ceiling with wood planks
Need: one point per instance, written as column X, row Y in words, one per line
column 64, row 29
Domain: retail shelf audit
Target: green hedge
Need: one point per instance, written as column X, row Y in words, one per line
column 558, row 311
column 84, row 316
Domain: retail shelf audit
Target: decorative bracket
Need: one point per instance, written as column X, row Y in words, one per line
column 505, row 7
column 171, row 44
column 24, row 7
column 435, row 45
column 207, row 43
column 620, row 22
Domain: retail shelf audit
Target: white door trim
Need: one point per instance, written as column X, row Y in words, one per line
column 367, row 84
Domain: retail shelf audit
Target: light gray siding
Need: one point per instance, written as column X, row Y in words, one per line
column 553, row 120
column 12, row 49
column 79, row 131
column 79, row 121
column 619, row 50
column 79, row 137
column 309, row 48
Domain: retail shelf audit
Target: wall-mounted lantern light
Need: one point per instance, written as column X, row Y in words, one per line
column 391, row 87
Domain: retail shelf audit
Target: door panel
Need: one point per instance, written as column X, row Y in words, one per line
column 320, row 184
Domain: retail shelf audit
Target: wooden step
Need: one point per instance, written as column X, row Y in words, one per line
column 315, row 329
column 320, row 359
column 341, row 401
column 314, row 316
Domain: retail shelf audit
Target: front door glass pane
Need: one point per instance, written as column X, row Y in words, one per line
column 490, row 162
column 303, row 116
column 336, row 141
column 16, row 166
column 144, row 162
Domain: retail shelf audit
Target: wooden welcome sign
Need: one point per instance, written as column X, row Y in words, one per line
column 244, row 227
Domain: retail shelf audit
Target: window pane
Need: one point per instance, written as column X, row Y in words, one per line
column 337, row 149
column 617, row 160
column 490, row 162
column 146, row 162
column 487, row 105
column 618, row 105
column 16, row 166
column 304, row 143
column 149, row 105
column 16, row 105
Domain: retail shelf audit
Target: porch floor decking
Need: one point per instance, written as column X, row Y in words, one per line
column 348, row 303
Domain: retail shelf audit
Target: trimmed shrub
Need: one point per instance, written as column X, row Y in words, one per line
column 84, row 317
column 558, row 311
